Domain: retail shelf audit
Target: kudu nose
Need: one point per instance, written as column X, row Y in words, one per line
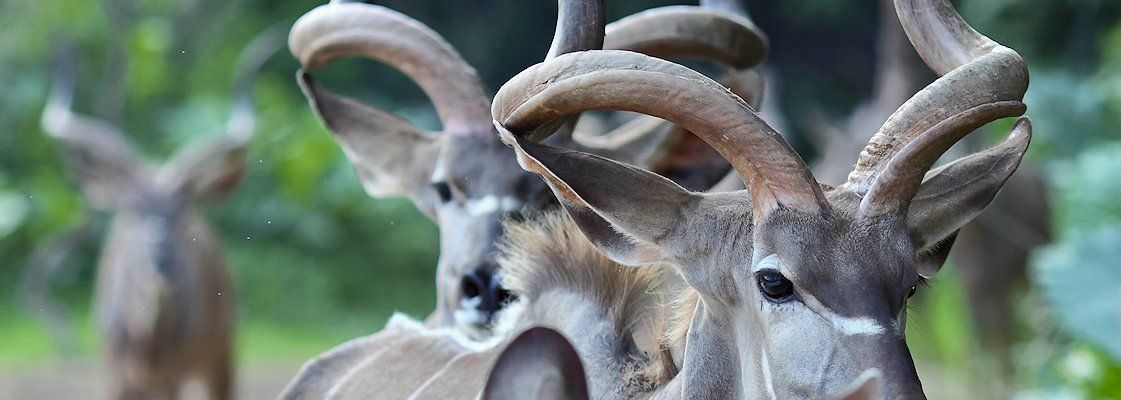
column 484, row 287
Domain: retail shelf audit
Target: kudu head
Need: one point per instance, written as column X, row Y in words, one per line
column 463, row 177
column 154, row 204
column 802, row 287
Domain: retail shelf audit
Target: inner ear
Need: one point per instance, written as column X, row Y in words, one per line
column 617, row 245
column 954, row 194
column 628, row 212
column 391, row 156
column 539, row 364
column 931, row 259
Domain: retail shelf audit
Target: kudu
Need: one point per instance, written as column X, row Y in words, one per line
column 990, row 253
column 799, row 288
column 685, row 32
column 462, row 177
column 164, row 301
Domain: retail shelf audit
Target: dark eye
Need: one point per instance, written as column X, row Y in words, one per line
column 911, row 293
column 775, row 286
column 443, row 190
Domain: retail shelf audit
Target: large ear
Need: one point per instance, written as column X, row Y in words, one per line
column 954, row 194
column 207, row 171
column 97, row 153
column 539, row 364
column 627, row 212
column 391, row 156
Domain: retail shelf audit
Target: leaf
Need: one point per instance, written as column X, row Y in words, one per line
column 1081, row 279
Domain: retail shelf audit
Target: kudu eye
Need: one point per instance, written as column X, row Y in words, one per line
column 911, row 293
column 775, row 286
column 443, row 190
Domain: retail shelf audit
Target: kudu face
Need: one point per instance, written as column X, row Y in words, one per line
column 814, row 302
column 801, row 289
column 475, row 188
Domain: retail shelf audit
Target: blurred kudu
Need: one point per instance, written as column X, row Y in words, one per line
column 991, row 253
column 164, row 301
column 463, row 177
column 795, row 289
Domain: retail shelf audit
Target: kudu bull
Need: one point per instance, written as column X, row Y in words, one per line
column 991, row 253
column 799, row 288
column 462, row 177
column 164, row 301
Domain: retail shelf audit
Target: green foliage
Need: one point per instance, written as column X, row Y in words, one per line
column 1081, row 281
column 1079, row 274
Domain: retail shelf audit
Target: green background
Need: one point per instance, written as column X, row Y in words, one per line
column 316, row 261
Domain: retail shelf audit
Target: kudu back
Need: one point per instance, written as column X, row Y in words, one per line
column 797, row 288
column 463, row 177
column 164, row 301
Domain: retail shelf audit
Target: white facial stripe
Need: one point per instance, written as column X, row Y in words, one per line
column 491, row 204
column 845, row 325
column 769, row 383
column 854, row 325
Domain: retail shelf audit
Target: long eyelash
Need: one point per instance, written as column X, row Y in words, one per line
column 923, row 282
column 909, row 309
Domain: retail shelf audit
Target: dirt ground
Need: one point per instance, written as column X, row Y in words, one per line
column 66, row 380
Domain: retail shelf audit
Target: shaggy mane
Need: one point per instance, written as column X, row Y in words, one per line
column 549, row 252
column 649, row 304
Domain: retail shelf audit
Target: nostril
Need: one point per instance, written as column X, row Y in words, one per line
column 503, row 296
column 472, row 285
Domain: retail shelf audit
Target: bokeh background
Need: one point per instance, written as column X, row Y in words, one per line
column 317, row 262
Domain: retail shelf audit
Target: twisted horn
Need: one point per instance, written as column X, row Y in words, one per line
column 580, row 26
column 687, row 31
column 76, row 131
column 620, row 80
column 346, row 29
column 242, row 122
column 733, row 6
column 981, row 81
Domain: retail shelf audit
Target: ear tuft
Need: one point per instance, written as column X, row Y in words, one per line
column 539, row 364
